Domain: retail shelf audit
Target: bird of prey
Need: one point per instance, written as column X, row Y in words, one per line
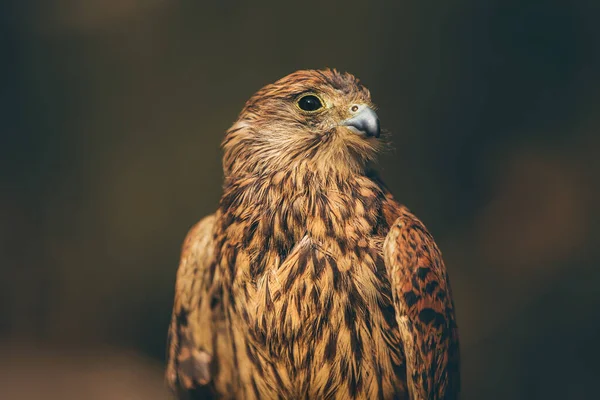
column 311, row 281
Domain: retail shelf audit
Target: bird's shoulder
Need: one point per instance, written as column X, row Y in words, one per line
column 197, row 248
column 425, row 309
column 190, row 333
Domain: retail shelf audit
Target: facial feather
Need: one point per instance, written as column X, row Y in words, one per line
column 273, row 133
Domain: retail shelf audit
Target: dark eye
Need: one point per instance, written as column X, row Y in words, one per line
column 310, row 102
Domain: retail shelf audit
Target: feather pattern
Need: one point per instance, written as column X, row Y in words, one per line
column 298, row 286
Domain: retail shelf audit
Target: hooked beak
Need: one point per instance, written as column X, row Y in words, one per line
column 364, row 122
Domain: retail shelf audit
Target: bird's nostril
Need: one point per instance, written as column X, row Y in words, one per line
column 364, row 121
column 354, row 108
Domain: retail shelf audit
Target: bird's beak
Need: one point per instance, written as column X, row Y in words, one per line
column 364, row 122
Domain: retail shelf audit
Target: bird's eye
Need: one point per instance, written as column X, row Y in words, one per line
column 310, row 102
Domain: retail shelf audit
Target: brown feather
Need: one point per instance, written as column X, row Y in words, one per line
column 285, row 288
column 424, row 309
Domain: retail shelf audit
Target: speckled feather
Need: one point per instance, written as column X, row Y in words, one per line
column 310, row 281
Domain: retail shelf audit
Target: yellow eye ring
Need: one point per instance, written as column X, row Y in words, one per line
column 310, row 102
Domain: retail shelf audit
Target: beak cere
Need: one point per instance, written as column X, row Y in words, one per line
column 365, row 122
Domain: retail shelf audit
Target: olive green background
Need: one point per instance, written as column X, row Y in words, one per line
column 111, row 116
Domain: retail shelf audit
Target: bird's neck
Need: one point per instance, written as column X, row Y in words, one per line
column 264, row 217
column 299, row 181
column 292, row 203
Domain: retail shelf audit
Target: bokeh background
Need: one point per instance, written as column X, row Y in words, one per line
column 111, row 116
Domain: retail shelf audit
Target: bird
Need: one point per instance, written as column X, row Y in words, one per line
column 311, row 281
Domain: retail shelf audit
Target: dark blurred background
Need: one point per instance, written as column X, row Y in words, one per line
column 111, row 116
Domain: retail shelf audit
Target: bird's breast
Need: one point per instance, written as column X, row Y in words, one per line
column 325, row 317
column 311, row 304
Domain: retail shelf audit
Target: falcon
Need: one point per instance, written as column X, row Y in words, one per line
column 310, row 281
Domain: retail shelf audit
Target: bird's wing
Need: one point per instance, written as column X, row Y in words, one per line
column 424, row 309
column 190, row 343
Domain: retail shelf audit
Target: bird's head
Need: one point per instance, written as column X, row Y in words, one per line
column 323, row 118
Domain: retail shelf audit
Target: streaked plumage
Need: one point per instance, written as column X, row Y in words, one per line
column 310, row 280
